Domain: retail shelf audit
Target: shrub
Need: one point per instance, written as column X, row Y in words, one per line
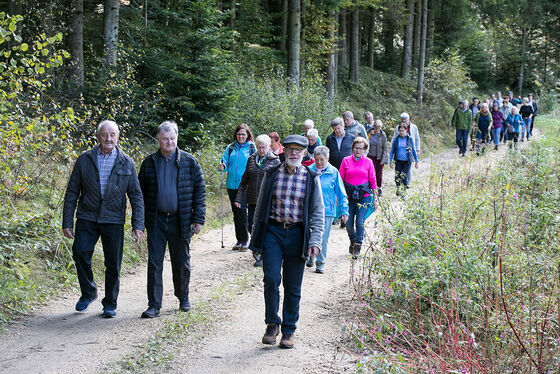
column 465, row 278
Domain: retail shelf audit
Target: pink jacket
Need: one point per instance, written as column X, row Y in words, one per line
column 358, row 172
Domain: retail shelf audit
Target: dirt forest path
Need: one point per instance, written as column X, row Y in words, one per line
column 223, row 331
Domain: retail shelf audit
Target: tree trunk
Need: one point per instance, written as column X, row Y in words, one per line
column 417, row 33
column 523, row 48
column 75, row 70
column 422, row 59
column 294, row 37
column 431, row 30
column 283, row 26
column 371, row 38
column 355, row 46
column 407, row 49
column 331, row 67
column 388, row 34
column 343, row 51
column 110, row 31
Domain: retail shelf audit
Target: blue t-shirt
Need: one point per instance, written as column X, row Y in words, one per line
column 401, row 149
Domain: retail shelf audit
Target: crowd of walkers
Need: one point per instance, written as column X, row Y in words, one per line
column 498, row 120
column 284, row 195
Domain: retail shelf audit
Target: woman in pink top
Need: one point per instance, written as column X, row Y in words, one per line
column 358, row 175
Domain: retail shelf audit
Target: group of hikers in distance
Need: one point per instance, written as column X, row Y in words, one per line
column 500, row 119
column 285, row 195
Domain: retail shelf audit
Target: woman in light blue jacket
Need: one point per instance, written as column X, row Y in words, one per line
column 334, row 198
column 234, row 161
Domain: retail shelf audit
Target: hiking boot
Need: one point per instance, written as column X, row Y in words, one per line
column 287, row 341
column 342, row 224
column 357, row 250
column 236, row 247
column 84, row 303
column 309, row 262
column 151, row 312
column 496, row 147
column 379, row 192
column 270, row 334
column 319, row 269
column 351, row 247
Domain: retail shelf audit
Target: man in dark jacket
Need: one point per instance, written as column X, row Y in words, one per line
column 287, row 230
column 100, row 181
column 175, row 196
column 339, row 142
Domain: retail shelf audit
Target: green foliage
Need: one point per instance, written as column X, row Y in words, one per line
column 448, row 78
column 468, row 271
column 33, row 129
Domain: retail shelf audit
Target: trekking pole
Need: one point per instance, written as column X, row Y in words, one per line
column 222, row 204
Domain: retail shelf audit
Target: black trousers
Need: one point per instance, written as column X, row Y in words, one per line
column 239, row 217
column 87, row 235
column 167, row 231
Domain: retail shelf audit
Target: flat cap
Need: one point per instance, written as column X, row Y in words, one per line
column 296, row 139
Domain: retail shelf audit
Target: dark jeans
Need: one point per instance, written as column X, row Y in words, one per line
column 239, row 217
column 357, row 210
column 462, row 137
column 402, row 174
column 378, row 166
column 167, row 231
column 282, row 252
column 251, row 209
column 87, row 235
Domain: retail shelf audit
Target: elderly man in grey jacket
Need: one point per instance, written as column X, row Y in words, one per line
column 287, row 229
column 100, row 181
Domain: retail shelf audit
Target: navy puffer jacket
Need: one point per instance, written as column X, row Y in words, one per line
column 191, row 191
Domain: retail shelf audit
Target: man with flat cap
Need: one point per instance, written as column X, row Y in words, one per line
column 287, row 230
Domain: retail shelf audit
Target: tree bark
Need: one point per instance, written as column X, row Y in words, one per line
column 75, row 70
column 408, row 36
column 388, row 34
column 422, row 59
column 431, row 29
column 417, row 33
column 523, row 51
column 343, row 51
column 331, row 66
column 294, row 38
column 355, row 46
column 110, row 31
column 371, row 38
column 283, row 26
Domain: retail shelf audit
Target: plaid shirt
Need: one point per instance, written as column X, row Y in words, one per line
column 105, row 163
column 288, row 194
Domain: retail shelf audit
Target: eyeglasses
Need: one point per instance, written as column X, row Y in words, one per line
column 294, row 150
column 359, row 148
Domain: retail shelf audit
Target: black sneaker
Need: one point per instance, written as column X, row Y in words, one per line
column 184, row 306
column 151, row 312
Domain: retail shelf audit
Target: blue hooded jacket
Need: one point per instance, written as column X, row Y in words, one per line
column 235, row 160
column 334, row 194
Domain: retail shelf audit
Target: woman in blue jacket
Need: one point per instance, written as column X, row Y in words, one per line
column 403, row 153
column 513, row 123
column 234, row 161
column 334, row 198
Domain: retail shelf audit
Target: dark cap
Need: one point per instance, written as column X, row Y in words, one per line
column 296, row 139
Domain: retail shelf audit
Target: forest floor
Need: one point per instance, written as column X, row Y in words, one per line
column 222, row 333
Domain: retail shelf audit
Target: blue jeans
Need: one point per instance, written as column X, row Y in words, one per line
column 167, row 231
column 496, row 135
column 462, row 137
column 320, row 258
column 357, row 210
column 526, row 127
column 282, row 262
column 87, row 235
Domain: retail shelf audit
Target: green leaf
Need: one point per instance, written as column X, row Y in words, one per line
column 45, row 52
column 24, row 47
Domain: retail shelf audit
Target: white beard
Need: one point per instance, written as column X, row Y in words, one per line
column 294, row 164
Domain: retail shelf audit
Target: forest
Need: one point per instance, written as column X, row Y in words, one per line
column 458, row 279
